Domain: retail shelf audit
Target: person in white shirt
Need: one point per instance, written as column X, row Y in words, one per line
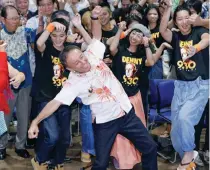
column 93, row 82
column 76, row 6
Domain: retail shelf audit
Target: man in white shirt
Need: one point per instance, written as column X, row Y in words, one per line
column 92, row 81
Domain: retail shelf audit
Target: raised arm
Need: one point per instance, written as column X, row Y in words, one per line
column 115, row 41
column 45, row 35
column 153, row 58
column 165, row 32
column 96, row 25
column 49, row 109
column 196, row 20
column 159, row 51
column 149, row 56
column 76, row 21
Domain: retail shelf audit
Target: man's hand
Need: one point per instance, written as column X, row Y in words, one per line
column 33, row 131
column 122, row 25
column 76, row 21
column 96, row 12
column 3, row 46
column 195, row 20
column 17, row 80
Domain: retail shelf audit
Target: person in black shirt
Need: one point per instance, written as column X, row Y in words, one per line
column 120, row 14
column 50, row 76
column 137, row 10
column 195, row 9
column 108, row 29
column 192, row 85
column 152, row 22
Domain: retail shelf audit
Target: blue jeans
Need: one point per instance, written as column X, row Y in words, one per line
column 87, row 130
column 54, row 135
column 131, row 127
column 189, row 101
column 156, row 71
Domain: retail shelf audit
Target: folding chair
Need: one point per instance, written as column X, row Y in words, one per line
column 161, row 94
column 153, row 117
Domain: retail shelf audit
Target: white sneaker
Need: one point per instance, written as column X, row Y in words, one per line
column 206, row 156
column 198, row 161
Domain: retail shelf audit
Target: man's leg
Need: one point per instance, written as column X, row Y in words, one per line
column 87, row 130
column 134, row 130
column 23, row 110
column 63, row 116
column 104, row 135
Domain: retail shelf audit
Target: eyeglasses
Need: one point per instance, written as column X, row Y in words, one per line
column 14, row 18
column 138, row 34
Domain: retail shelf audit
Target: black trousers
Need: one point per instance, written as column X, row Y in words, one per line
column 200, row 126
column 131, row 127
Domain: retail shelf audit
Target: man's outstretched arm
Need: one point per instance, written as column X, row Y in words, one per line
column 49, row 109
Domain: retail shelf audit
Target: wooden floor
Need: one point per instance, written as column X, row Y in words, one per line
column 13, row 162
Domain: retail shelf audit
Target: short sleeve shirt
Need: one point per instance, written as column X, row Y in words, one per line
column 127, row 67
column 191, row 69
column 98, row 88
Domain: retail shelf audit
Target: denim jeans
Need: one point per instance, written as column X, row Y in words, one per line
column 156, row 71
column 131, row 127
column 54, row 135
column 87, row 130
column 189, row 101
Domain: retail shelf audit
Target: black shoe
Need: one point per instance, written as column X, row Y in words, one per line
column 2, row 154
column 22, row 153
column 67, row 160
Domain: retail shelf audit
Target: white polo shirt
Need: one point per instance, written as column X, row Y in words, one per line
column 98, row 88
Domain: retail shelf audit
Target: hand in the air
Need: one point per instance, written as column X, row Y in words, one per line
column 59, row 27
column 122, row 25
column 76, row 20
column 96, row 12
